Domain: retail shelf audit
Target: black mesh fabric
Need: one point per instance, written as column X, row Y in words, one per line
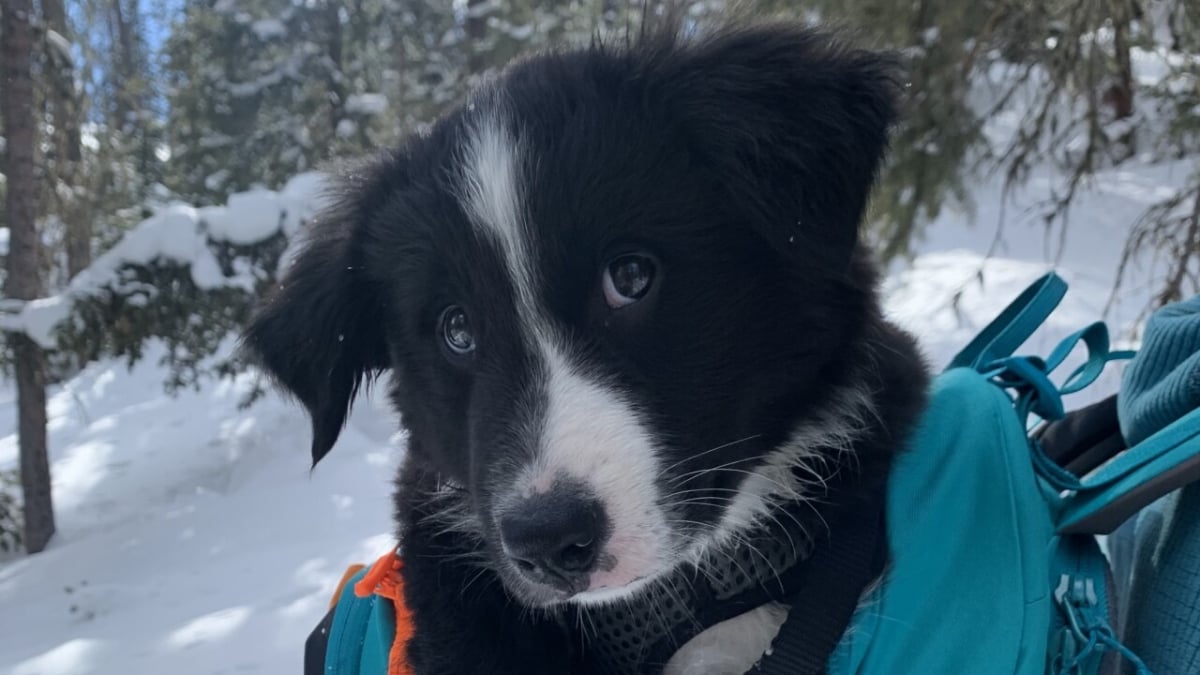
column 639, row 636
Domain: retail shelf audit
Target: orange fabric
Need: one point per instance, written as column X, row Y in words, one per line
column 337, row 593
column 386, row 580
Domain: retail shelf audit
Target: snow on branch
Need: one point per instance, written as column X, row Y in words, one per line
column 366, row 104
column 178, row 234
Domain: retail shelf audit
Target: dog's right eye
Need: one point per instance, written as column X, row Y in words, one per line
column 627, row 279
column 456, row 330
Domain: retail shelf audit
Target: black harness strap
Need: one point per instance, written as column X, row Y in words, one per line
column 823, row 605
column 314, row 646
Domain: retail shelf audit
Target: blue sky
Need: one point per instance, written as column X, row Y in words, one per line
column 157, row 16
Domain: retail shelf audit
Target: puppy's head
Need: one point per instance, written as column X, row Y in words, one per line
column 610, row 287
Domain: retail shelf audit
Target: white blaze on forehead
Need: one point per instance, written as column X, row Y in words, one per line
column 589, row 433
column 493, row 195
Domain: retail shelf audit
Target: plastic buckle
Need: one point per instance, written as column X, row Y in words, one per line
column 1073, row 595
column 1081, row 635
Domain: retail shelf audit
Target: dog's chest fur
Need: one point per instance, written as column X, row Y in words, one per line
column 731, row 647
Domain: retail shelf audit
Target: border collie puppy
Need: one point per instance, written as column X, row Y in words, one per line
column 633, row 337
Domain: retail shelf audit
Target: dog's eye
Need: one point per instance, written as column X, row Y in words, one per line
column 627, row 279
column 456, row 330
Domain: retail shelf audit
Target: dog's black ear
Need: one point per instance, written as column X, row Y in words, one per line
column 321, row 333
column 793, row 123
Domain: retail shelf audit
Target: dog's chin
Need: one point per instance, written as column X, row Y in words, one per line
column 617, row 583
column 541, row 596
column 532, row 594
column 605, row 595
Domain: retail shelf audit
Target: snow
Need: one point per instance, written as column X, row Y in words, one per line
column 266, row 29
column 288, row 69
column 61, row 44
column 216, row 179
column 181, row 234
column 366, row 104
column 345, row 128
column 481, row 10
column 192, row 536
column 522, row 32
column 304, row 195
column 249, row 218
column 40, row 317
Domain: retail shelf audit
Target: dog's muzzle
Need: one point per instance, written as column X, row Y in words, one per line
column 555, row 538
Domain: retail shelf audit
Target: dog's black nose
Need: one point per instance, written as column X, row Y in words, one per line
column 555, row 538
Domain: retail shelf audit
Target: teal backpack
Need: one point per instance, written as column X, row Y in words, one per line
column 995, row 513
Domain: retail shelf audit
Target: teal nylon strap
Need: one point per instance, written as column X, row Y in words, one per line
column 361, row 634
column 1015, row 324
column 1028, row 377
column 1167, row 460
column 347, row 634
column 1178, row 434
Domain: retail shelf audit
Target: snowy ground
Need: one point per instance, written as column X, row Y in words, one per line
column 194, row 540
column 192, row 537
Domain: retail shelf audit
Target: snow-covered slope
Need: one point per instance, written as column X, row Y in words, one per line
column 194, row 540
column 192, row 536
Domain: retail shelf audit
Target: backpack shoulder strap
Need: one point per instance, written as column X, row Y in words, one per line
column 838, row 573
column 346, row 630
column 368, row 625
column 824, row 603
column 317, row 645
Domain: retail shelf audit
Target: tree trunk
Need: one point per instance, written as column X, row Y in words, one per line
column 64, row 102
column 127, row 20
column 337, row 89
column 23, row 278
column 1120, row 93
column 122, row 31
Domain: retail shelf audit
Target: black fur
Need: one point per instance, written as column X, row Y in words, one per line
column 741, row 161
